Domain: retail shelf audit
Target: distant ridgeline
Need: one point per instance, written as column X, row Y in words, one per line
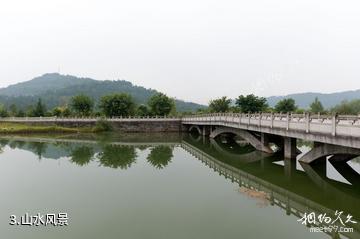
column 55, row 89
column 303, row 100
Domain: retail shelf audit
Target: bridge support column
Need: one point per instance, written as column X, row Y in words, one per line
column 265, row 143
column 289, row 167
column 272, row 201
column 290, row 150
column 320, row 166
column 320, row 163
column 206, row 130
column 262, row 163
column 288, row 207
column 264, row 139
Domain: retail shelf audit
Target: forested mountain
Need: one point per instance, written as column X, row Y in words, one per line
column 46, row 82
column 303, row 100
column 55, row 89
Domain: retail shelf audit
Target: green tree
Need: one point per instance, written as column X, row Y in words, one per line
column 13, row 110
column 142, row 110
column 40, row 109
column 61, row 111
column 82, row 105
column 220, row 105
column 3, row 111
column 30, row 111
column 161, row 104
column 117, row 105
column 20, row 113
column 66, row 112
column 300, row 111
column 57, row 111
column 347, row 107
column 286, row 105
column 316, row 106
column 251, row 103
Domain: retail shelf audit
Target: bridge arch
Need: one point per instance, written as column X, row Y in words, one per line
column 338, row 153
column 253, row 140
column 348, row 172
column 195, row 128
column 195, row 137
column 248, row 157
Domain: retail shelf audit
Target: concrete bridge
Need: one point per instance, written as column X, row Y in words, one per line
column 337, row 137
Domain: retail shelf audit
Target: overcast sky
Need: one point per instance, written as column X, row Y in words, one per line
column 189, row 49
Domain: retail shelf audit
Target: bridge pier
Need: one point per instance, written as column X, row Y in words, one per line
column 288, row 207
column 264, row 140
column 206, row 130
column 347, row 172
column 289, row 167
column 321, row 151
column 290, row 150
column 320, row 166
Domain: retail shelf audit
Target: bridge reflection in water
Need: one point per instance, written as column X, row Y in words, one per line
column 258, row 174
column 296, row 191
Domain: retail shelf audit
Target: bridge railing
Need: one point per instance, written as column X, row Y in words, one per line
column 85, row 119
column 346, row 125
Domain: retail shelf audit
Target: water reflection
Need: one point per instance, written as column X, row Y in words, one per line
column 295, row 191
column 115, row 156
column 102, row 148
column 39, row 148
column 82, row 155
column 348, row 172
column 3, row 143
column 259, row 176
column 160, row 156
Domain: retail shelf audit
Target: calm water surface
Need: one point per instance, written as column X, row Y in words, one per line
column 166, row 186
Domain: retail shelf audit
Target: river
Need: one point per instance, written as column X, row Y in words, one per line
column 166, row 186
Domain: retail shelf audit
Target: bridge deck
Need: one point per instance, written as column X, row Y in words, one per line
column 337, row 130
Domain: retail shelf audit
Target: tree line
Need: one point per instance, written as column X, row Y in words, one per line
column 123, row 105
column 253, row 104
column 112, row 105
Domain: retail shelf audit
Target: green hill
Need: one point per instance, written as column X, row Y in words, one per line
column 303, row 100
column 55, row 89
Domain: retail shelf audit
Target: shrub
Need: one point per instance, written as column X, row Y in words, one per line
column 102, row 125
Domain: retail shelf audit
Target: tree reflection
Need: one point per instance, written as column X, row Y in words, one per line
column 115, row 156
column 38, row 148
column 16, row 144
column 82, row 155
column 160, row 156
column 142, row 147
column 3, row 143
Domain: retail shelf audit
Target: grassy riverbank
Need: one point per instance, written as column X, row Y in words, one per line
column 18, row 128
